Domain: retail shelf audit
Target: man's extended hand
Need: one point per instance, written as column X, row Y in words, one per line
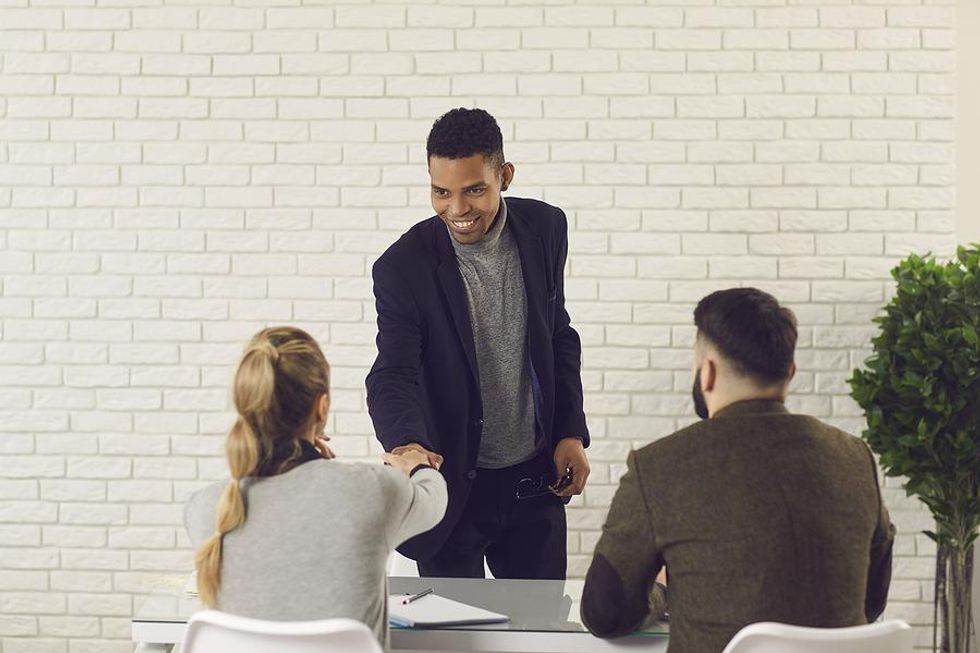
column 570, row 457
column 434, row 459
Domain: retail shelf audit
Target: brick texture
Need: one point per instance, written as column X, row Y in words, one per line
column 175, row 176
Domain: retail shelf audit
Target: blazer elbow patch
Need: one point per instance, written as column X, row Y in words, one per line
column 604, row 601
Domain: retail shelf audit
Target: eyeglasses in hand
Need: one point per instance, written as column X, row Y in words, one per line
column 529, row 488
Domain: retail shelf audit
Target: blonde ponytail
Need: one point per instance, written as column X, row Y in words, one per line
column 255, row 381
column 231, row 508
column 242, row 450
column 262, row 419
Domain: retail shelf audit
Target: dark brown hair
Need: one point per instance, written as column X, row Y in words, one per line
column 751, row 329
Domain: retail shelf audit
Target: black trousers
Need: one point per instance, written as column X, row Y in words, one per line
column 523, row 538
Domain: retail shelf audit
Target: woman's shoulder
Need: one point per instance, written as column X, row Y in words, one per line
column 331, row 472
column 199, row 511
column 369, row 488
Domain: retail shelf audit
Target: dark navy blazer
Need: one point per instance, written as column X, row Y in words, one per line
column 424, row 385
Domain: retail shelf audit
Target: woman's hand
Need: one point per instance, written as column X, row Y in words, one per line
column 320, row 442
column 406, row 460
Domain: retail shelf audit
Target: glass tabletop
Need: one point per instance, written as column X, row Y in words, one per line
column 532, row 605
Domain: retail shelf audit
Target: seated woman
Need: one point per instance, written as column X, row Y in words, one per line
column 293, row 535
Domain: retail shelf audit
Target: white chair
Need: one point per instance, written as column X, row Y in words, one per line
column 893, row 636
column 211, row 631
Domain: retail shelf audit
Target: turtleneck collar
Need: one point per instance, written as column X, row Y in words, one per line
column 286, row 456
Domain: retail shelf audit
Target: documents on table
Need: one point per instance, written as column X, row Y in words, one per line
column 432, row 611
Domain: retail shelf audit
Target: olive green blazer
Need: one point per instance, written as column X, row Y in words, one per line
column 758, row 515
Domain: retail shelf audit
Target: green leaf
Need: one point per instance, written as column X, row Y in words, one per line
column 970, row 335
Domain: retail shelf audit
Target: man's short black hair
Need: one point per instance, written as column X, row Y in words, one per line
column 751, row 329
column 463, row 132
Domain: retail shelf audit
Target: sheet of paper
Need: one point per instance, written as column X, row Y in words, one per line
column 434, row 610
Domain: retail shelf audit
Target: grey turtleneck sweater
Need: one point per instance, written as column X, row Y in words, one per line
column 494, row 282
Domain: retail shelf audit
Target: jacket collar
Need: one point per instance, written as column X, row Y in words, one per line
column 752, row 407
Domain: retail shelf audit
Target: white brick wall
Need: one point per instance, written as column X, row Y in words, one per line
column 174, row 177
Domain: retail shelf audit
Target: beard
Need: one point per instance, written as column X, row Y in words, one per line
column 697, row 395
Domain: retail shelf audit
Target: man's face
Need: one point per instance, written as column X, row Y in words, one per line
column 466, row 194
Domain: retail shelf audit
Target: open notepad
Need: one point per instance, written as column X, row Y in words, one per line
column 433, row 611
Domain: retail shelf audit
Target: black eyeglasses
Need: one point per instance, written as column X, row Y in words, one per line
column 530, row 488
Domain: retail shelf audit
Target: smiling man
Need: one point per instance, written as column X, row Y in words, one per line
column 478, row 366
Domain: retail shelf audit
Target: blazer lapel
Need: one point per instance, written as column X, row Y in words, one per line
column 533, row 265
column 537, row 286
column 452, row 288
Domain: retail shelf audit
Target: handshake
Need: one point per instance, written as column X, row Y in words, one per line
column 408, row 457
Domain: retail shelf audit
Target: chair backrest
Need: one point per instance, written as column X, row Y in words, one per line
column 893, row 636
column 211, row 631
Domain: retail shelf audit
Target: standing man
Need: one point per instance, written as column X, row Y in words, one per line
column 478, row 366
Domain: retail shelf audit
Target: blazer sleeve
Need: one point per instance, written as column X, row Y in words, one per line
column 393, row 394
column 569, row 413
column 620, row 593
column 880, row 564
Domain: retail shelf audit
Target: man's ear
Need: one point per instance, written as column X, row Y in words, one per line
column 789, row 378
column 506, row 176
column 709, row 374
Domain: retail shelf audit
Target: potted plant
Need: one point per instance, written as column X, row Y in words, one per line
column 920, row 393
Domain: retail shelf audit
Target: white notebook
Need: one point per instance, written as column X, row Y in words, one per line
column 433, row 610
